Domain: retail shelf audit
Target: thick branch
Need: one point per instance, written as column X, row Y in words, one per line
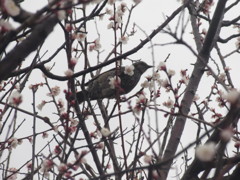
column 191, row 89
column 16, row 56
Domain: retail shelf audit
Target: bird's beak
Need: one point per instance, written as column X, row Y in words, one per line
column 150, row 66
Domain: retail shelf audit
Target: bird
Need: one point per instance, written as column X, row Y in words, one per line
column 102, row 85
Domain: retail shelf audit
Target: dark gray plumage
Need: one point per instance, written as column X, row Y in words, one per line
column 99, row 87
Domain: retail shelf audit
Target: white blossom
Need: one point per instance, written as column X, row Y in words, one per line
column 141, row 98
column 46, row 165
column 196, row 97
column 222, row 76
column 74, row 122
column 206, row 152
column 108, row 11
column 151, row 85
column 145, row 84
column 5, row 26
column 105, row 132
column 100, row 145
column 62, row 167
column 81, row 36
column 15, row 98
column 124, row 39
column 137, row 109
column 96, row 45
column 68, row 72
column 11, row 8
column 114, row 82
column 147, row 159
column 232, row 96
column 137, row 1
column 55, row 91
column 185, row 80
column 45, row 135
column 118, row 19
column 129, row 70
column 162, row 66
column 61, row 14
column 61, row 105
column 110, row 25
column 226, row 134
column 12, row 174
column 164, row 83
column 13, row 142
column 237, row 43
column 171, row 72
column 40, row 106
column 156, row 76
column 111, row 2
column 96, row 1
column 169, row 103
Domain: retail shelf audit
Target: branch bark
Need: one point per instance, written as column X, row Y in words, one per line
column 17, row 55
column 210, row 40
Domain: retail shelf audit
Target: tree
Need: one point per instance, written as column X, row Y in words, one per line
column 169, row 121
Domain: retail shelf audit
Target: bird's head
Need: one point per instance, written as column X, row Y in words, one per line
column 141, row 66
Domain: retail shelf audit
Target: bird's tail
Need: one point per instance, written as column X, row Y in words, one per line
column 80, row 97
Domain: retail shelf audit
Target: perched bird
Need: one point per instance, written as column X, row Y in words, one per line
column 106, row 85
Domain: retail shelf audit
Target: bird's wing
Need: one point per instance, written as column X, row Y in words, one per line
column 112, row 73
